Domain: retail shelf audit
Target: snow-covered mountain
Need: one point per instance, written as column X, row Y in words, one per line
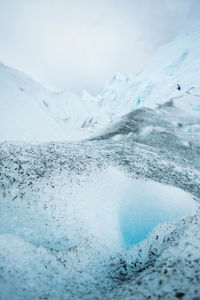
column 29, row 111
column 177, row 62
column 23, row 115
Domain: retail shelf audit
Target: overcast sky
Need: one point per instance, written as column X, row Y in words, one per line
column 79, row 44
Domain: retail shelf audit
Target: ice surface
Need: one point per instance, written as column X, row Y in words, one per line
column 144, row 205
column 110, row 207
column 67, row 218
column 62, row 234
column 84, row 220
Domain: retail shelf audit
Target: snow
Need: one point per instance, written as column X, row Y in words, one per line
column 84, row 219
column 66, row 225
column 177, row 62
column 30, row 112
column 22, row 115
column 111, row 208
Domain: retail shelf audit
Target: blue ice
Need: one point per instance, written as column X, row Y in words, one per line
column 147, row 205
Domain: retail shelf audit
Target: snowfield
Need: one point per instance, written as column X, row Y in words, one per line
column 100, row 196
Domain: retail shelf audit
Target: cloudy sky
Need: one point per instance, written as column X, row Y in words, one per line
column 79, row 44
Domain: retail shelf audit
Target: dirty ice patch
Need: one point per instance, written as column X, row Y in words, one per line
column 60, row 242
column 106, row 208
column 111, row 209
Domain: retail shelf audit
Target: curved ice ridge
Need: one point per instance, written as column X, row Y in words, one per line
column 69, row 239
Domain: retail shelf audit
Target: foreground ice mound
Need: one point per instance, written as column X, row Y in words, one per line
column 61, row 236
column 108, row 207
column 69, row 219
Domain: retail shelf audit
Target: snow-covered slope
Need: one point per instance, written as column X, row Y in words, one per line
column 22, row 114
column 177, row 62
column 29, row 111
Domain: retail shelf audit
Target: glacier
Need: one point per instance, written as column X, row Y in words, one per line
column 99, row 195
column 68, row 221
column 65, row 116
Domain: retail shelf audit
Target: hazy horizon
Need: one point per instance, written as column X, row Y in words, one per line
column 79, row 45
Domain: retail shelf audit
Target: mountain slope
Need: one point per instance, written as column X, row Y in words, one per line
column 22, row 115
column 31, row 112
column 177, row 62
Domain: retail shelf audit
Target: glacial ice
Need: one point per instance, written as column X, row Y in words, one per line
column 75, row 219
column 144, row 205
column 68, row 233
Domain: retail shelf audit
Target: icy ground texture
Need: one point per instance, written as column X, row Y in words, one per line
column 30, row 112
column 67, row 210
column 65, row 225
